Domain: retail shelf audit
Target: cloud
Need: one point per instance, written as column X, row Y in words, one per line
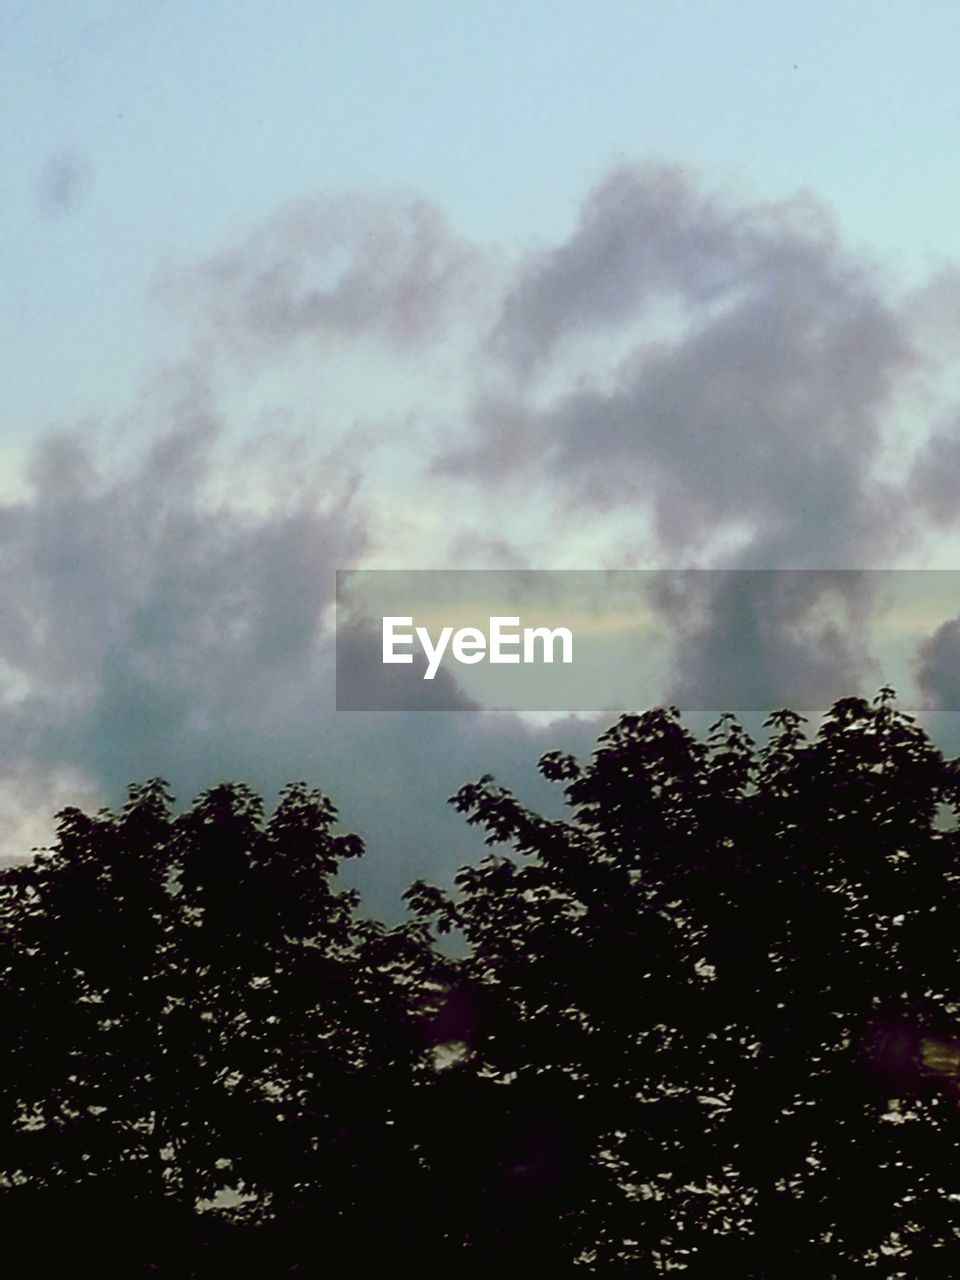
column 357, row 266
column 935, row 477
column 731, row 377
column 142, row 618
column 683, row 380
column 63, row 182
column 938, row 665
column 760, row 409
column 643, row 230
column 153, row 627
column 757, row 641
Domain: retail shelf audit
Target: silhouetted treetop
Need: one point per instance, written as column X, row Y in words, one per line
column 743, row 962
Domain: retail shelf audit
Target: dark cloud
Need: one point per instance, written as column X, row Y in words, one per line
column 364, row 682
column 757, row 640
column 938, row 666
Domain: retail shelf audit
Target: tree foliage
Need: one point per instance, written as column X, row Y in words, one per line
column 709, row 1021
column 197, row 1016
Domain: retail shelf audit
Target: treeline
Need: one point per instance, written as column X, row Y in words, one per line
column 709, row 1022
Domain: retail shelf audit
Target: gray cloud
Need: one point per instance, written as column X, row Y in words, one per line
column 938, row 665
column 765, row 419
column 156, row 630
column 104, row 570
column 147, row 622
column 754, row 418
column 764, row 410
column 643, row 230
column 356, row 266
column 154, row 625
column 935, row 478
column 755, row 641
column 63, row 182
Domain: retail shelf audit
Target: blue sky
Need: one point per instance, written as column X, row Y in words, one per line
column 293, row 287
column 186, row 123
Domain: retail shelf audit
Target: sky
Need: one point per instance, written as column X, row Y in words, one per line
column 306, row 286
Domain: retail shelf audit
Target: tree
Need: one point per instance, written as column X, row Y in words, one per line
column 719, row 1006
column 708, row 1021
column 196, row 1015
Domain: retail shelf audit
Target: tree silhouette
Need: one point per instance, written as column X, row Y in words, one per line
column 709, row 1021
column 196, row 1014
column 724, row 994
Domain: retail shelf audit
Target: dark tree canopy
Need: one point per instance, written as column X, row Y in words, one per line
column 196, row 1016
column 707, row 1023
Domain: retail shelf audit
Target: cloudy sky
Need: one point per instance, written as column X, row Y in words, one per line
column 306, row 286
